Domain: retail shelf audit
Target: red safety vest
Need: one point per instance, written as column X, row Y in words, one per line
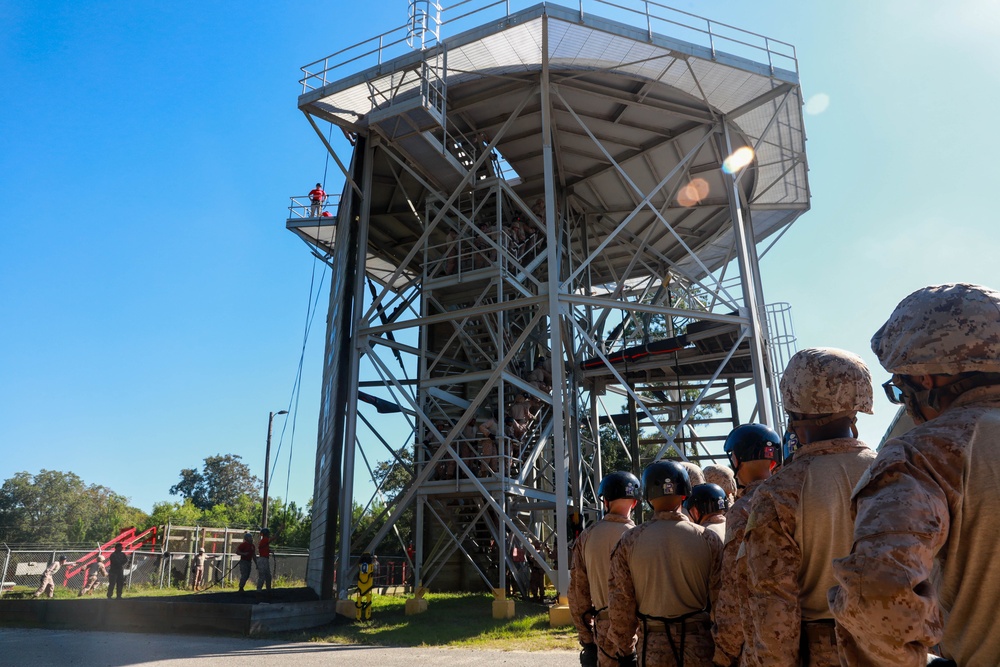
column 317, row 195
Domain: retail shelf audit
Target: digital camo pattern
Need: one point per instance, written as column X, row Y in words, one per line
column 695, row 473
column 583, row 590
column 784, row 579
column 942, row 329
column 825, row 380
column 923, row 568
column 626, row 630
column 723, row 476
column 731, row 606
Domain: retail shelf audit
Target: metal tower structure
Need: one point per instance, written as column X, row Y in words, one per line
column 549, row 229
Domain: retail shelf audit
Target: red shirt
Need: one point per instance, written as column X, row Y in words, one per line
column 317, row 194
column 264, row 547
column 245, row 550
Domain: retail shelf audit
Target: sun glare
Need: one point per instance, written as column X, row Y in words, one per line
column 740, row 158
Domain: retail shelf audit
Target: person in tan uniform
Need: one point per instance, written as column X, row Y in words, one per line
column 664, row 577
column 707, row 507
column 800, row 518
column 48, row 584
column 753, row 451
column 588, row 584
column 96, row 572
column 722, row 476
column 922, row 571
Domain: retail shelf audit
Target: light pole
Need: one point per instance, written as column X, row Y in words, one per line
column 267, row 462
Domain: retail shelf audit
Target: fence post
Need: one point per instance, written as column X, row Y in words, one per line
column 3, row 575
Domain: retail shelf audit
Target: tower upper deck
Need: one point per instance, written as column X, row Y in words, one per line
column 632, row 98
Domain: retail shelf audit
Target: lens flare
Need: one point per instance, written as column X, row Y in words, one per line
column 693, row 192
column 740, row 158
column 817, row 104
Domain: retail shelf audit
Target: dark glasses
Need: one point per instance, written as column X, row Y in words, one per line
column 893, row 392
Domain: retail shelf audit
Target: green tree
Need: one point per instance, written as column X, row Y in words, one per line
column 222, row 480
column 58, row 507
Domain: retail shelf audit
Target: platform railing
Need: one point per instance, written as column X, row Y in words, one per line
column 301, row 207
column 654, row 17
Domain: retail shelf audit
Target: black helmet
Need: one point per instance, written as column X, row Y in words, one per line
column 618, row 485
column 707, row 498
column 665, row 478
column 753, row 442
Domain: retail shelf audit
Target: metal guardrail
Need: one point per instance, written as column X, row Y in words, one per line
column 301, row 208
column 656, row 18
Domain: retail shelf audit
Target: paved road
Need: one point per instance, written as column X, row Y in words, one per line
column 58, row 648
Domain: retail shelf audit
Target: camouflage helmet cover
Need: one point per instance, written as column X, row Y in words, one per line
column 825, row 380
column 942, row 330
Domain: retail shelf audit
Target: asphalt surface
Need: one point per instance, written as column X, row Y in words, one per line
column 58, row 648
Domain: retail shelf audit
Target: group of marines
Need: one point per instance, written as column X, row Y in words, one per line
column 830, row 554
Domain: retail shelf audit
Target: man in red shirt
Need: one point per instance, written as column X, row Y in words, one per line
column 263, row 564
column 246, row 552
column 316, row 199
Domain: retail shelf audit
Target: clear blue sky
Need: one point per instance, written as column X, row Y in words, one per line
column 153, row 305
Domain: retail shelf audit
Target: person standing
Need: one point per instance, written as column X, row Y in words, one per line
column 316, row 200
column 707, row 507
column 753, row 451
column 116, row 571
column 199, row 569
column 588, row 584
column 48, row 584
column 664, row 575
column 800, row 519
column 95, row 572
column 922, row 571
column 246, row 551
column 263, row 564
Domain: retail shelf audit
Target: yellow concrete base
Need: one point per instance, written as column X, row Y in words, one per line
column 416, row 606
column 503, row 609
column 559, row 615
column 347, row 608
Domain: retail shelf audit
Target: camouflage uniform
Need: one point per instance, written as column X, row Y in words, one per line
column 588, row 583
column 922, row 571
column 799, row 518
column 48, row 585
column 731, row 607
column 799, row 522
column 666, row 568
column 717, row 524
column 95, row 572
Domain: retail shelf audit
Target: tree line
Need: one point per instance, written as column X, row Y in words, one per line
column 59, row 508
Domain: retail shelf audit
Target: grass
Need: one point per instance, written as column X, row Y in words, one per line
column 63, row 593
column 455, row 620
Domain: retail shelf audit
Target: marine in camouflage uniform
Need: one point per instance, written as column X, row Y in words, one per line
column 664, row 574
column 48, row 583
column 588, row 584
column 922, row 571
column 800, row 519
column 753, row 451
column 96, row 571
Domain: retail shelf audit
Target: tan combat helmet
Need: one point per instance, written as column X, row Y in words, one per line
column 826, row 381
column 942, row 330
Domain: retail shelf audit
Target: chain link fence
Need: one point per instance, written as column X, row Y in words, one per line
column 23, row 568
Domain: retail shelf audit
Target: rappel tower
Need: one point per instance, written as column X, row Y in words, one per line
column 548, row 235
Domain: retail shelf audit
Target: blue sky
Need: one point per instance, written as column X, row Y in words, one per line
column 153, row 305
